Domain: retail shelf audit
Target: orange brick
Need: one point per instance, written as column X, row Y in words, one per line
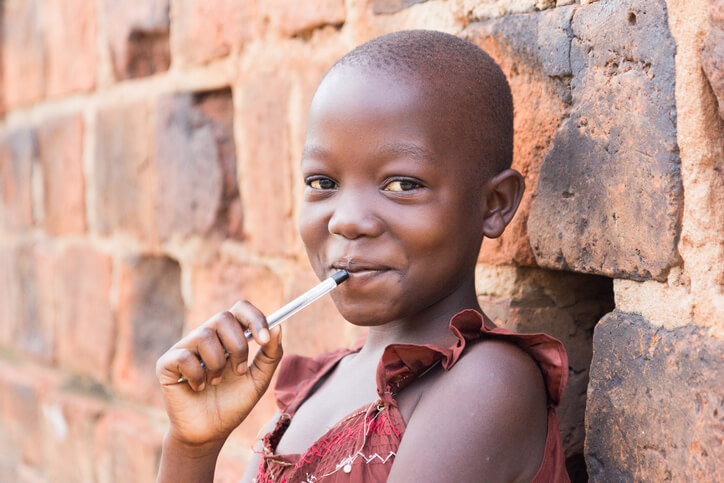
column 203, row 31
column 195, row 162
column 219, row 284
column 18, row 151
column 123, row 179
column 35, row 276
column 127, row 447
column 85, row 325
column 138, row 37
column 68, row 425
column 23, row 45
column 21, row 391
column 60, row 150
column 291, row 17
column 70, row 32
column 266, row 179
column 150, row 320
column 9, row 293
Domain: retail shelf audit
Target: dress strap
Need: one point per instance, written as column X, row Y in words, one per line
column 298, row 375
column 402, row 363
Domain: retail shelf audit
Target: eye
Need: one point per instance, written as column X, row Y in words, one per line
column 321, row 183
column 402, row 185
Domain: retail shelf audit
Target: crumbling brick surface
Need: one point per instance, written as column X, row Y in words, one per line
column 654, row 403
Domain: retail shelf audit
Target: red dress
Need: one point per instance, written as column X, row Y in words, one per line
column 362, row 446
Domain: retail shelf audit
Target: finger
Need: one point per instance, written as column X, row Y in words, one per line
column 231, row 335
column 266, row 361
column 211, row 352
column 252, row 318
column 181, row 362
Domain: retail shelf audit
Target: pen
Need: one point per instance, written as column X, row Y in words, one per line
column 297, row 304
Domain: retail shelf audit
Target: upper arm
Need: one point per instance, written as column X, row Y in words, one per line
column 485, row 419
column 252, row 468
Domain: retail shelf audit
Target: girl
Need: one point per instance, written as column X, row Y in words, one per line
column 407, row 168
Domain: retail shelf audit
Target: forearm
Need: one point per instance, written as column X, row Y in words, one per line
column 181, row 462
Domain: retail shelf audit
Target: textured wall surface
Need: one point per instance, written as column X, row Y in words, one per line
column 149, row 178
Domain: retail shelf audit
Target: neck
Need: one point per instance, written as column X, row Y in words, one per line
column 429, row 326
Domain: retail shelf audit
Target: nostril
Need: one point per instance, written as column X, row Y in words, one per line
column 354, row 224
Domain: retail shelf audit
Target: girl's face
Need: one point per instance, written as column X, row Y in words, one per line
column 388, row 198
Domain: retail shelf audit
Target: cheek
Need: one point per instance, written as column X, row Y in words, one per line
column 312, row 230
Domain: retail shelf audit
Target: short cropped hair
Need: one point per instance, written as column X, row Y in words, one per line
column 458, row 72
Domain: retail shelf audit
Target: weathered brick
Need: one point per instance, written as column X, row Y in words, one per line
column 85, row 325
column 480, row 10
column 124, row 179
column 712, row 52
column 23, row 44
column 2, row 81
column 533, row 52
column 204, row 31
column 219, row 284
column 566, row 306
column 138, row 37
column 292, row 17
column 127, row 447
column 654, row 406
column 68, row 423
column 609, row 195
column 265, row 178
column 18, row 152
column 9, row 292
column 196, row 165
column 60, row 151
column 150, row 320
column 392, row 6
column 21, row 390
column 36, row 277
column 70, row 34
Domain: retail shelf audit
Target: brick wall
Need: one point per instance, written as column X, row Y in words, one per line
column 149, row 178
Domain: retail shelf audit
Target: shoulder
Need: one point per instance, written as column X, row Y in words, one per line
column 488, row 412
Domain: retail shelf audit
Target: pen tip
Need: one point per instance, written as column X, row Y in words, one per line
column 340, row 276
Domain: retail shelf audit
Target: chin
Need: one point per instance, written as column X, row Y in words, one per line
column 364, row 315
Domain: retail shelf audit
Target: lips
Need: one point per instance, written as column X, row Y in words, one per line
column 360, row 270
column 356, row 265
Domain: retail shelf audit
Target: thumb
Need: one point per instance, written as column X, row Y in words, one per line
column 266, row 360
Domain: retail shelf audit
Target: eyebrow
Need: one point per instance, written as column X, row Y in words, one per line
column 411, row 150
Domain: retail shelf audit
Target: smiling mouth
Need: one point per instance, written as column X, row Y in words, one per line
column 359, row 266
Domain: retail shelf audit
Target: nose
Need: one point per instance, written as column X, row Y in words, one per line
column 354, row 217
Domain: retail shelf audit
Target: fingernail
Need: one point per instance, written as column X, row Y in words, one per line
column 215, row 381
column 241, row 368
column 202, row 386
column 264, row 336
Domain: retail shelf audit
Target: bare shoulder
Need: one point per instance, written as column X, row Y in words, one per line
column 488, row 414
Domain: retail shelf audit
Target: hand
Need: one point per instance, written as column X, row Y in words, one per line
column 215, row 399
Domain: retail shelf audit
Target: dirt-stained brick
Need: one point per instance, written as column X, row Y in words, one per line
column 654, row 403
column 150, row 320
column 60, row 151
column 609, row 196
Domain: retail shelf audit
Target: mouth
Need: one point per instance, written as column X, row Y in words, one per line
column 359, row 269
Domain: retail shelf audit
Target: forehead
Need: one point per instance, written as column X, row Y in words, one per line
column 382, row 108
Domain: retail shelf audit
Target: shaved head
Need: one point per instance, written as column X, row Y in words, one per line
column 457, row 76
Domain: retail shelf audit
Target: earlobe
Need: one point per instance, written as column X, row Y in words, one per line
column 503, row 193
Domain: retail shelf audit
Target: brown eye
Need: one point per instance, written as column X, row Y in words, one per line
column 401, row 185
column 321, row 184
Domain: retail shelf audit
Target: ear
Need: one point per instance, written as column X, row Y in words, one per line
column 503, row 193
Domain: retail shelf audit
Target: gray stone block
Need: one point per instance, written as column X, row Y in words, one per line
column 655, row 408
column 609, row 196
